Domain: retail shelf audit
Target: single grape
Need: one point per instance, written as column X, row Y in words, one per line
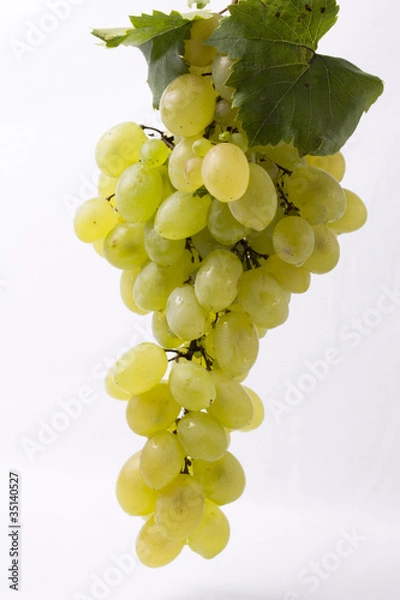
column 263, row 299
column 236, row 343
column 258, row 410
column 223, row 480
column 113, row 390
column 94, row 219
column 211, row 535
column 191, row 385
column 223, row 226
column 140, row 368
column 182, row 215
column 161, row 459
column 152, row 411
column 226, row 172
column 178, row 160
column 187, row 105
column 180, row 507
column 221, row 70
column 186, row 317
column 197, row 53
column 354, row 216
column 293, row 240
column 201, row 146
column 232, row 405
column 162, row 333
column 107, row 185
column 155, row 550
column 202, row 436
column 335, row 164
column 292, row 279
column 326, row 252
column 162, row 251
column 155, row 283
column 219, row 266
column 138, row 193
column 119, row 147
column 123, row 246
column 154, row 153
column 127, row 283
column 134, row 496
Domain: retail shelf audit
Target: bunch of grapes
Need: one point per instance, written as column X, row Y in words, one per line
column 212, row 236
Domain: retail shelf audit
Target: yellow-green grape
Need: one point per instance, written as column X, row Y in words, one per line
column 235, row 343
column 261, row 241
column 258, row 410
column 203, row 241
column 186, row 317
column 140, row 368
column 335, row 164
column 317, row 195
column 219, row 267
column 162, row 251
column 154, row 284
column 98, row 246
column 223, row 480
column 202, row 436
column 293, row 279
column 193, row 172
column 123, row 246
column 107, row 185
column 127, row 282
column 162, row 332
column 178, row 160
column 197, row 53
column 212, row 534
column 119, row 148
column 354, row 216
column 161, row 459
column 113, row 390
column 257, row 207
column 152, row 411
column 223, row 226
column 221, row 70
column 134, row 496
column 153, row 549
column 232, row 405
column 154, row 153
column 226, row 172
column 180, row 507
column 263, row 299
column 293, row 240
column 225, row 114
column 326, row 251
column 167, row 189
column 94, row 219
column 240, row 139
column 182, row 215
column 139, row 193
column 187, row 105
column 201, row 146
column 283, row 155
column 191, row 385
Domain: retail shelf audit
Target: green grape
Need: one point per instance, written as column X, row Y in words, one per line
column 191, row 385
column 236, row 343
column 152, row 411
column 225, row 114
column 203, row 241
column 212, row 534
column 232, row 405
column 123, row 246
column 221, row 70
column 261, row 241
column 180, row 507
column 94, row 219
column 201, row 146
column 161, row 459
column 317, row 195
column 202, row 436
column 134, row 496
column 354, row 216
column 219, row 266
column 182, row 215
column 293, row 279
column 293, row 240
column 187, row 105
column 154, row 153
column 178, row 160
column 127, row 282
column 326, row 251
column 263, row 299
column 258, row 410
column 335, row 164
column 98, row 246
column 119, row 148
column 140, row 368
column 193, row 172
column 197, row 53
column 154, row 284
column 162, row 251
column 257, row 207
column 162, row 333
column 186, row 317
column 107, row 185
column 153, row 549
column 223, row 226
column 223, row 480
column 226, row 172
column 240, row 139
column 139, row 193
column 113, row 390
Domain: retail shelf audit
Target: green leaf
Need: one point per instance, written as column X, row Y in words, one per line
column 284, row 90
column 161, row 38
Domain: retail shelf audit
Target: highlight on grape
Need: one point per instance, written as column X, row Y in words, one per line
column 213, row 231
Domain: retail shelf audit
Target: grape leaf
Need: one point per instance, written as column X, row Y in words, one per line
column 284, row 90
column 161, row 38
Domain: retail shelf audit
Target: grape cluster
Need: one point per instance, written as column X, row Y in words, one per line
column 213, row 237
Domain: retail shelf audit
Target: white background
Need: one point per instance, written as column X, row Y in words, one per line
column 324, row 469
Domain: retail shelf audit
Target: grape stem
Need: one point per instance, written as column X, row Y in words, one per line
column 285, row 202
column 168, row 140
column 195, row 346
column 221, row 12
column 246, row 253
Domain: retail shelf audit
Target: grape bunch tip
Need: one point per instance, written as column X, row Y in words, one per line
column 212, row 236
